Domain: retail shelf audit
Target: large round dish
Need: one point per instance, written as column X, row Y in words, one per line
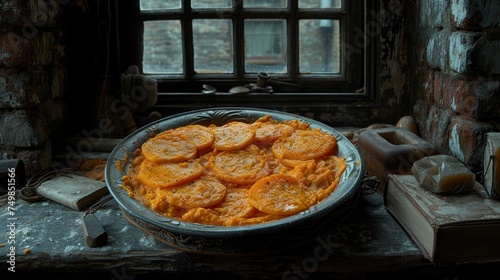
column 249, row 239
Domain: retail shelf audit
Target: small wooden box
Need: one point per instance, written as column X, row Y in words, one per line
column 391, row 151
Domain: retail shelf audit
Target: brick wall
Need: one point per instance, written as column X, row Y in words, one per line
column 444, row 52
column 32, row 81
column 457, row 67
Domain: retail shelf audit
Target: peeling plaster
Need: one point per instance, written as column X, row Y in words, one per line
column 454, row 104
column 482, row 13
column 454, row 144
column 460, row 9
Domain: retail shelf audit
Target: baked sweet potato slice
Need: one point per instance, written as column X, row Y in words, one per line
column 164, row 175
column 202, row 136
column 233, row 136
column 281, row 195
column 235, row 204
column 202, row 192
column 239, row 167
column 169, row 146
column 304, row 145
column 267, row 133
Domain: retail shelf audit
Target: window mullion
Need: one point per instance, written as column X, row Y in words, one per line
column 187, row 40
column 293, row 41
column 239, row 39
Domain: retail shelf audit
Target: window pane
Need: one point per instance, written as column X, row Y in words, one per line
column 163, row 47
column 147, row 5
column 315, row 4
column 265, row 3
column 265, row 46
column 213, row 45
column 319, row 46
column 214, row 4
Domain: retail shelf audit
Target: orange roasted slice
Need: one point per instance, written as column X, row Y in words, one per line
column 202, row 136
column 304, row 145
column 169, row 146
column 239, row 167
column 267, row 133
column 236, row 204
column 281, row 195
column 203, row 192
column 162, row 175
column 233, row 136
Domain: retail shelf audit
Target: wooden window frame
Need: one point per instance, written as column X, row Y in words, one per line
column 357, row 89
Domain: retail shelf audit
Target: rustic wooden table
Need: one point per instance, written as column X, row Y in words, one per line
column 49, row 241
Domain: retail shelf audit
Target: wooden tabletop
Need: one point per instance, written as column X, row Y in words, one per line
column 49, row 237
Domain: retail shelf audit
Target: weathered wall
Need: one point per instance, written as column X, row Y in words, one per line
column 438, row 61
column 456, row 61
column 32, row 81
column 394, row 75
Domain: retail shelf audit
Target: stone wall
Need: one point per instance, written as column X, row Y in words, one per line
column 32, row 81
column 443, row 55
column 457, row 66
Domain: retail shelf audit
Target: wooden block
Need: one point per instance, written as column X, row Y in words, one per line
column 391, row 151
column 95, row 235
column 72, row 190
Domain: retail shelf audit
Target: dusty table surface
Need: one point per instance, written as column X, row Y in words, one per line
column 49, row 238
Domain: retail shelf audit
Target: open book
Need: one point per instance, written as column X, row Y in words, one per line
column 453, row 228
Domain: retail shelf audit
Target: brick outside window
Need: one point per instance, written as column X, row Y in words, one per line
column 303, row 43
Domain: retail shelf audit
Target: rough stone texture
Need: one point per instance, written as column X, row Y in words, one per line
column 487, row 101
column 460, row 48
column 437, row 50
column 452, row 134
column 20, row 88
column 457, row 94
column 18, row 50
column 475, row 14
column 34, row 160
column 33, row 80
column 467, row 140
column 472, row 53
column 29, row 13
column 433, row 13
column 23, row 128
column 437, row 120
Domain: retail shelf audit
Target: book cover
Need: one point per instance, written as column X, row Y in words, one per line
column 456, row 228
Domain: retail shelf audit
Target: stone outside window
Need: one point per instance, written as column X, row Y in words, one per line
column 230, row 39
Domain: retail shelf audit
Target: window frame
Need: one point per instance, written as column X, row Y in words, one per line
column 357, row 90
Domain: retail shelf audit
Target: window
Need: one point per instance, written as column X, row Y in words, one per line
column 302, row 44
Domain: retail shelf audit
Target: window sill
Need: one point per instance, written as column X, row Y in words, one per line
column 354, row 109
